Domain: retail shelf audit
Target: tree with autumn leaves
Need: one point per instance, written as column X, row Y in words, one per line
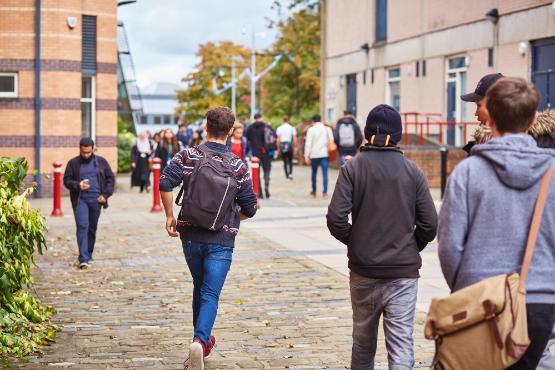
column 291, row 87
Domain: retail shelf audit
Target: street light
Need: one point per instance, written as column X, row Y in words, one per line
column 126, row 2
column 253, row 67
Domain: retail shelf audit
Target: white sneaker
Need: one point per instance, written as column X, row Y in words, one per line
column 196, row 356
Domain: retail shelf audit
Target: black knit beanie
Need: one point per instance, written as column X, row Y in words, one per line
column 383, row 119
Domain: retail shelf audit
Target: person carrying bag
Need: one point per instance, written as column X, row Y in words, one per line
column 484, row 326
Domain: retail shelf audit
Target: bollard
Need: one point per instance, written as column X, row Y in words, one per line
column 255, row 174
column 156, row 191
column 443, row 152
column 57, row 210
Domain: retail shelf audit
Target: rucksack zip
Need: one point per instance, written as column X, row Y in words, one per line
column 221, row 205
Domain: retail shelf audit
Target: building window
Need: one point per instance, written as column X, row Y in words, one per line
column 144, row 120
column 455, row 109
column 167, row 119
column 417, row 68
column 372, row 76
column 88, row 45
column 331, row 114
column 393, row 88
column 87, row 107
column 381, row 20
column 490, row 57
column 8, row 85
column 424, row 68
column 157, row 120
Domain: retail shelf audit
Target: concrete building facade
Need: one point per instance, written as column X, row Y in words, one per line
column 58, row 61
column 421, row 55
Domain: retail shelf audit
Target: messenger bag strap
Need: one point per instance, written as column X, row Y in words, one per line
column 534, row 228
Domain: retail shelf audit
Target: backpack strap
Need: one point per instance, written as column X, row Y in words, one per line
column 534, row 228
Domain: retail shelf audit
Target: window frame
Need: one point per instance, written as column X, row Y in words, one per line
column 388, row 81
column 92, row 101
column 15, row 92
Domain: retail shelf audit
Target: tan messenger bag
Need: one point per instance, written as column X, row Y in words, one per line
column 484, row 326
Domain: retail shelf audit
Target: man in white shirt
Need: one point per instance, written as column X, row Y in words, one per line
column 318, row 138
column 286, row 143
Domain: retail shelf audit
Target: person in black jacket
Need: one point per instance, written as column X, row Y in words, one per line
column 90, row 181
column 347, row 136
column 393, row 219
column 257, row 143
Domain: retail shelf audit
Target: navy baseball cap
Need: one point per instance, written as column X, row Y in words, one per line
column 483, row 85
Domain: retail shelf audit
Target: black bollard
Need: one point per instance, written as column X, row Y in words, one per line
column 444, row 152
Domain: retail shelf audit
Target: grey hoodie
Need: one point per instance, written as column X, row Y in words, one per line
column 486, row 216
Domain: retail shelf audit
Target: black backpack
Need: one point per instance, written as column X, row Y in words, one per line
column 211, row 191
column 270, row 139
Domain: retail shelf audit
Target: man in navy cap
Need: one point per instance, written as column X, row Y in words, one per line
column 393, row 219
column 483, row 133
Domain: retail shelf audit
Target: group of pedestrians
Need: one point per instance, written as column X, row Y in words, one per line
column 381, row 209
column 483, row 223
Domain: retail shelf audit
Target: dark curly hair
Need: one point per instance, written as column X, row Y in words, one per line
column 219, row 121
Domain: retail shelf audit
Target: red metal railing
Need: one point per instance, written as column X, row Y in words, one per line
column 431, row 126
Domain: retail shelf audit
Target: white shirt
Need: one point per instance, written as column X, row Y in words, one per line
column 317, row 139
column 285, row 132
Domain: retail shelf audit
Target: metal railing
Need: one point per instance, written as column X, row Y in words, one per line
column 432, row 127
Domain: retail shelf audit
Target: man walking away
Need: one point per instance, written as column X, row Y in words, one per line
column 493, row 192
column 90, row 181
column 182, row 137
column 393, row 219
column 217, row 194
column 483, row 132
column 317, row 140
column 347, row 136
column 286, row 143
column 256, row 135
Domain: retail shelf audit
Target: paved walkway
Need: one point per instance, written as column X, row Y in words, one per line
column 282, row 307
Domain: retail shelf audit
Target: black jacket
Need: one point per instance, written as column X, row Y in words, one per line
column 72, row 178
column 393, row 213
column 255, row 136
column 351, row 150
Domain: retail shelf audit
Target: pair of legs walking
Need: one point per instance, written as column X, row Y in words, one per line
column 86, row 215
column 314, row 164
column 266, row 167
column 288, row 163
column 395, row 299
column 208, row 264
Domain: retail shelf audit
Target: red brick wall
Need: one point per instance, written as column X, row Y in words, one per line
column 429, row 161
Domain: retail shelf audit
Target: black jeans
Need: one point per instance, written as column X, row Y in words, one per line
column 266, row 167
column 540, row 324
column 287, row 163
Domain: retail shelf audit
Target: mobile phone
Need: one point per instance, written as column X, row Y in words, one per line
column 86, row 181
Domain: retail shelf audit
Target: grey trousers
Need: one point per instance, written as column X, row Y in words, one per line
column 396, row 300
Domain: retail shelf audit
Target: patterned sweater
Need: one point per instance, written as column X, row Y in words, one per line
column 179, row 171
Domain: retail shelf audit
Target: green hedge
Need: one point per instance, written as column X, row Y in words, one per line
column 24, row 321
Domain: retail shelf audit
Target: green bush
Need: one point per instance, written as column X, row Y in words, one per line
column 126, row 140
column 23, row 320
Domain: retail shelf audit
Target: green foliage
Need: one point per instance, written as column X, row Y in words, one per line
column 23, row 320
column 214, row 64
column 293, row 86
column 126, row 140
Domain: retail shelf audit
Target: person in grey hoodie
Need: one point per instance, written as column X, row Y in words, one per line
column 488, row 206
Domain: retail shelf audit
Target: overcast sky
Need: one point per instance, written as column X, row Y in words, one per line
column 164, row 34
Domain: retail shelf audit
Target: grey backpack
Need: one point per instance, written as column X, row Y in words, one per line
column 346, row 135
column 211, row 191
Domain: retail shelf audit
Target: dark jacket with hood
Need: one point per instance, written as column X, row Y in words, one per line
column 350, row 121
column 255, row 136
column 544, row 129
column 72, row 178
column 486, row 215
column 393, row 214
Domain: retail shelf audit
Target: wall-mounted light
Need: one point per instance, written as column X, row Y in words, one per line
column 522, row 47
column 492, row 15
column 341, row 81
column 71, row 22
column 365, row 47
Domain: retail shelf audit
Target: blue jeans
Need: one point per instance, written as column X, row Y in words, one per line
column 395, row 299
column 86, row 215
column 208, row 264
column 315, row 163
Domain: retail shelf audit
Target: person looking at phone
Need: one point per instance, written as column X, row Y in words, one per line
column 90, row 181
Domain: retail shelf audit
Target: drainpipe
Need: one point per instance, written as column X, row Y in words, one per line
column 37, row 100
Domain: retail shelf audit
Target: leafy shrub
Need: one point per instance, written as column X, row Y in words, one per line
column 126, row 140
column 23, row 320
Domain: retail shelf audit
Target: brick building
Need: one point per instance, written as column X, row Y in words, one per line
column 421, row 55
column 47, row 106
